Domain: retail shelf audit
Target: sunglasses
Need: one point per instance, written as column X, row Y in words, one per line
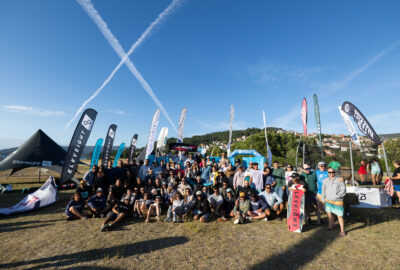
column 267, row 188
column 306, row 169
column 322, row 165
column 331, row 172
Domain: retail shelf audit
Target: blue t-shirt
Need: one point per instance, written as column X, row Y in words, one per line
column 77, row 204
column 321, row 176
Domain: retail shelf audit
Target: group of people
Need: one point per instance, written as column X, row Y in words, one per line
column 202, row 189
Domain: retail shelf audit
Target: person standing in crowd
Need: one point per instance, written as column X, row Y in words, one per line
column 144, row 169
column 205, row 175
column 311, row 202
column 322, row 174
column 334, row 164
column 333, row 191
column 100, row 180
column 75, row 207
column 118, row 213
column 110, row 174
column 230, row 172
column 280, row 179
column 223, row 160
column 97, row 203
column 288, row 173
column 84, row 190
column 375, row 170
column 116, row 193
column 183, row 186
column 269, row 178
column 242, row 207
column 396, row 178
column 256, row 177
column 362, row 171
column 202, row 208
column 156, row 169
column 90, row 175
column 120, row 171
column 134, row 168
column 238, row 178
column 213, row 176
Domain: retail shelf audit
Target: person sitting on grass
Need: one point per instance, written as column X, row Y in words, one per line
column 189, row 201
column 75, row 207
column 97, row 203
column 228, row 205
column 274, row 202
column 216, row 200
column 118, row 213
column 242, row 207
column 142, row 206
column 257, row 208
column 155, row 209
column 202, row 208
column 177, row 208
column 84, row 190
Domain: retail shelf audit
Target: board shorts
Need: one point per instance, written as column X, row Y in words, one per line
column 256, row 213
column 396, row 188
column 200, row 214
column 334, row 209
column 376, row 171
column 112, row 215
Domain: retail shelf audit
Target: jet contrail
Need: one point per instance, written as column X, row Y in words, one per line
column 94, row 15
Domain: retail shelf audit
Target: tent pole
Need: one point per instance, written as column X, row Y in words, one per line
column 351, row 162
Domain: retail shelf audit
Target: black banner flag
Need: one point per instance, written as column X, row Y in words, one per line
column 362, row 122
column 78, row 142
column 108, row 144
column 132, row 148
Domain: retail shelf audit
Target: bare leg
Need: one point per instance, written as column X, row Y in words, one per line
column 330, row 220
column 74, row 211
column 151, row 209
column 341, row 223
column 119, row 218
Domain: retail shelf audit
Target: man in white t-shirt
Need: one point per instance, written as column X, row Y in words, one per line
column 256, row 177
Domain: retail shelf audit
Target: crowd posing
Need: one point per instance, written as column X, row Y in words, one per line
column 197, row 188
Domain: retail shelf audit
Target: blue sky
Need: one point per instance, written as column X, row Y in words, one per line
column 257, row 55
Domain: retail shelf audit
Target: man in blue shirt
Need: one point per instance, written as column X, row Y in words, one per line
column 322, row 174
column 97, row 203
column 273, row 200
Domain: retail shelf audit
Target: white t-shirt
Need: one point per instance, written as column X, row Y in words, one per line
column 288, row 175
column 257, row 178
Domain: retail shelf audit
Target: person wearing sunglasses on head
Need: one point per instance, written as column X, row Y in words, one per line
column 333, row 191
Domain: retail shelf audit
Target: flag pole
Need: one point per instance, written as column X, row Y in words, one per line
column 351, row 162
column 385, row 157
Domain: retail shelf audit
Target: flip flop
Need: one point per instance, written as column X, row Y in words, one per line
column 343, row 234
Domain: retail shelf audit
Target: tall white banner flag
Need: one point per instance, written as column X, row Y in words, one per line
column 350, row 127
column 153, row 131
column 230, row 130
column 162, row 139
column 266, row 141
column 181, row 125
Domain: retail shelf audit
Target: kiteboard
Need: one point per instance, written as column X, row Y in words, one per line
column 295, row 211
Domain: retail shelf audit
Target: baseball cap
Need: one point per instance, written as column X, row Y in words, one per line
column 240, row 166
column 242, row 194
column 321, row 163
column 306, row 166
column 294, row 175
column 255, row 163
column 229, row 190
column 199, row 193
column 99, row 189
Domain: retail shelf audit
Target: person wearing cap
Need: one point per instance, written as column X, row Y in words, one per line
column 322, row 174
column 118, row 213
column 228, row 205
column 256, row 177
column 201, row 208
column 273, row 200
column 154, row 209
column 242, row 207
column 333, row 191
column 84, row 190
column 257, row 208
column 311, row 202
column 216, row 200
column 238, row 178
column 97, row 203
column 280, row 179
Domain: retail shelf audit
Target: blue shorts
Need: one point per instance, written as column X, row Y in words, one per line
column 396, row 187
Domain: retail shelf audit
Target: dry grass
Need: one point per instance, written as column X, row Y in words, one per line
column 43, row 239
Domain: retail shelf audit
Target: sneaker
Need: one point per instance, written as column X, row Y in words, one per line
column 236, row 221
column 85, row 217
column 167, row 219
column 249, row 218
column 158, row 218
column 102, row 215
column 265, row 219
column 69, row 218
column 174, row 220
column 104, row 227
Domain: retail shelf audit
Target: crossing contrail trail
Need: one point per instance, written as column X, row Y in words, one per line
column 95, row 16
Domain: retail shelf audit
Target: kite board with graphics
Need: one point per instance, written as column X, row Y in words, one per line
column 295, row 212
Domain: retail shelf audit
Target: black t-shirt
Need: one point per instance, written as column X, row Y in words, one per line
column 118, row 192
column 123, row 208
column 395, row 173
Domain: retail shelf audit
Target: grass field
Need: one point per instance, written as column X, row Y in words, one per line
column 44, row 240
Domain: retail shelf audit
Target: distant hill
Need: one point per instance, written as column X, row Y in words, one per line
column 388, row 136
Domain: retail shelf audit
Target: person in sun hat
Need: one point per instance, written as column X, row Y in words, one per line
column 242, row 207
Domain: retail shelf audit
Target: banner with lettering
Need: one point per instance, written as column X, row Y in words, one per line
column 96, row 153
column 108, row 144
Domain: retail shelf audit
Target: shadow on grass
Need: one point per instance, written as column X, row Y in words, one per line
column 307, row 249
column 99, row 254
column 16, row 226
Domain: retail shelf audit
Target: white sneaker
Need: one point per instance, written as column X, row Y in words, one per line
column 265, row 219
column 236, row 221
column 248, row 218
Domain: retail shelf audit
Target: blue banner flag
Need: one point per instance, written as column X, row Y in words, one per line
column 119, row 153
column 96, row 153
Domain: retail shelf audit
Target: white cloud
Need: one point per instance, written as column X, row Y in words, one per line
column 290, row 121
column 119, row 112
column 31, row 110
column 264, row 73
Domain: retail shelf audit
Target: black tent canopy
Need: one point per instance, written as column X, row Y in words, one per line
column 38, row 151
